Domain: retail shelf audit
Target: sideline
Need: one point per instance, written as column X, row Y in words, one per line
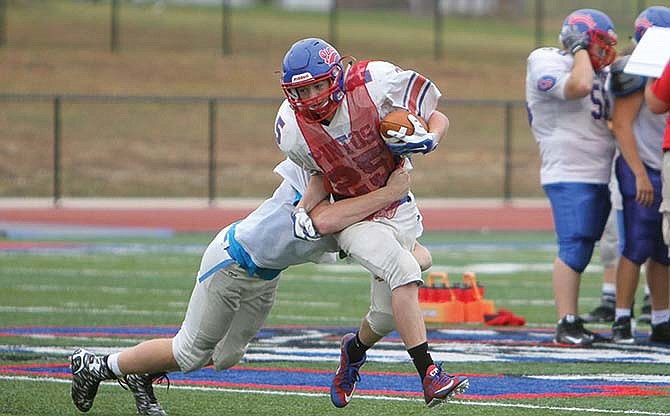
column 197, row 215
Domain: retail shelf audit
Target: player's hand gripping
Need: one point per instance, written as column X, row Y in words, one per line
column 303, row 228
column 398, row 183
column 422, row 141
column 574, row 40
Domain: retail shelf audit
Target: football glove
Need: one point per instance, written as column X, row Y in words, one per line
column 421, row 141
column 303, row 228
column 574, row 40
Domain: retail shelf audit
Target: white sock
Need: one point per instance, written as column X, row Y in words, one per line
column 658, row 317
column 621, row 313
column 113, row 364
column 609, row 288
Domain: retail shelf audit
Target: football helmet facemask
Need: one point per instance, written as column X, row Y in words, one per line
column 599, row 29
column 307, row 63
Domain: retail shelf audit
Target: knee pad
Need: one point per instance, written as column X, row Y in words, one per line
column 576, row 253
column 223, row 360
column 381, row 323
column 191, row 360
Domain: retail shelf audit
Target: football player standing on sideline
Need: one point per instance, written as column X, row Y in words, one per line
column 568, row 109
column 639, row 134
column 234, row 291
column 329, row 125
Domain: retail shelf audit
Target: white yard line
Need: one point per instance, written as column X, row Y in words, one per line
column 367, row 397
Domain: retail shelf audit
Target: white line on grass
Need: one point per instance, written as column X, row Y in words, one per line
column 86, row 309
column 366, row 397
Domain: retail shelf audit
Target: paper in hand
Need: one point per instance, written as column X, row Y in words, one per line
column 651, row 54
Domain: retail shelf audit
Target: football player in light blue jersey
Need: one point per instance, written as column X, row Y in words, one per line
column 568, row 109
column 639, row 133
column 234, row 290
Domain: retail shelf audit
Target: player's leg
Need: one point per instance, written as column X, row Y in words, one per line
column 383, row 247
column 257, row 299
column 643, row 240
column 659, row 288
column 609, row 258
column 422, row 256
column 580, row 214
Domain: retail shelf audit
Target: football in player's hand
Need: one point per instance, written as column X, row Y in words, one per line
column 398, row 121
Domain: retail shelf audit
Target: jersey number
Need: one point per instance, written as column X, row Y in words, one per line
column 601, row 105
column 278, row 126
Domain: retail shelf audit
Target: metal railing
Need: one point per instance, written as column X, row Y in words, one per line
column 213, row 104
column 538, row 11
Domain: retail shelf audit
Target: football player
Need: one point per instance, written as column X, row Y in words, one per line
column 639, row 134
column 329, row 125
column 568, row 109
column 234, row 290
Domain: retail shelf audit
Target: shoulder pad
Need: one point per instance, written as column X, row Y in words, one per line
column 619, row 64
column 622, row 84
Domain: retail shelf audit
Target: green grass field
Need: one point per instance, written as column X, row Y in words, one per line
column 147, row 282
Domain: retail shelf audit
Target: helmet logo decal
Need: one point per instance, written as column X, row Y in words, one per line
column 585, row 19
column 329, row 55
column 641, row 26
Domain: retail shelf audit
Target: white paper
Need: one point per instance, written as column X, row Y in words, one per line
column 651, row 54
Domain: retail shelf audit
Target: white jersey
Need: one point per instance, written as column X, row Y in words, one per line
column 267, row 233
column 389, row 88
column 649, row 128
column 575, row 143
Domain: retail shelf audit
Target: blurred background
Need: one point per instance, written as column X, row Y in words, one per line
column 177, row 98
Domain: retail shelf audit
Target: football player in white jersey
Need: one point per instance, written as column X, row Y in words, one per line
column 234, row 290
column 568, row 109
column 639, row 133
column 329, row 125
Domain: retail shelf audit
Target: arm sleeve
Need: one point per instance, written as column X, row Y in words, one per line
column 549, row 71
column 661, row 87
column 407, row 89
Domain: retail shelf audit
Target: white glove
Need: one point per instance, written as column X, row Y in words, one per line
column 421, row 141
column 303, row 228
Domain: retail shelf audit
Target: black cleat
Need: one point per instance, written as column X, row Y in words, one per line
column 87, row 373
column 143, row 391
column 660, row 333
column 603, row 313
column 622, row 332
column 570, row 331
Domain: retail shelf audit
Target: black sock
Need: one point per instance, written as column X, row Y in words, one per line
column 356, row 349
column 421, row 358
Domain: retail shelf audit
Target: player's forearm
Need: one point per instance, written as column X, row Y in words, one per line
column 331, row 218
column 438, row 123
column 580, row 82
column 629, row 151
column 626, row 110
column 314, row 194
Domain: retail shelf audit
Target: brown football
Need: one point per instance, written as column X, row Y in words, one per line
column 397, row 120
